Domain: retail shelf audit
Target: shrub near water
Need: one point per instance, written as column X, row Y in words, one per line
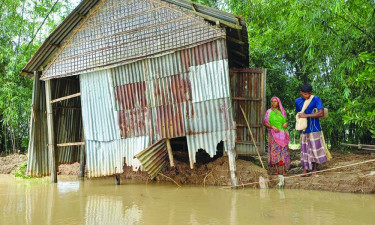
column 22, row 171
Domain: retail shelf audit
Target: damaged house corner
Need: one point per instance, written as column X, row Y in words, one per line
column 133, row 75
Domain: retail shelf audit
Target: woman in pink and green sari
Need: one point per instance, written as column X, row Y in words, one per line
column 278, row 136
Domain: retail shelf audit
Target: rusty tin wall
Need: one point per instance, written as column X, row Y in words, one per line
column 68, row 126
column 185, row 93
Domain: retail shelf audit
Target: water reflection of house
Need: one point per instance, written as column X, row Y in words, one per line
column 121, row 76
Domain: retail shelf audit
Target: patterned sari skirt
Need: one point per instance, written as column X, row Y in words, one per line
column 277, row 155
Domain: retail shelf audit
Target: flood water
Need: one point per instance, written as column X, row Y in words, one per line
column 99, row 201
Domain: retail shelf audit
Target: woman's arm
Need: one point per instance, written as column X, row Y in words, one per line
column 267, row 125
column 285, row 125
column 271, row 127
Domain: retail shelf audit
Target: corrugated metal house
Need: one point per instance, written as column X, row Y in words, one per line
column 119, row 78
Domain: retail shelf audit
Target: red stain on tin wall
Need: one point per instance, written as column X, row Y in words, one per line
column 171, row 90
column 169, row 121
column 180, row 88
column 134, row 122
column 186, row 59
column 131, row 96
column 134, row 112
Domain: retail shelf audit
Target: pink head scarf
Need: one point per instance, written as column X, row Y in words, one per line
column 266, row 117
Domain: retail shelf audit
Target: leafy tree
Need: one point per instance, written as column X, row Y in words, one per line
column 329, row 43
column 19, row 23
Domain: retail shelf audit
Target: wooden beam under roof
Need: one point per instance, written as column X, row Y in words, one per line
column 234, row 40
column 237, row 52
column 213, row 19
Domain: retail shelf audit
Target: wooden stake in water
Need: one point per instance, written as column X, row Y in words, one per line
column 252, row 137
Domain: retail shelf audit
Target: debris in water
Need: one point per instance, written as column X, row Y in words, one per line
column 280, row 185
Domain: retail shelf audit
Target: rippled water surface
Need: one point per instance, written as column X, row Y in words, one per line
column 99, row 201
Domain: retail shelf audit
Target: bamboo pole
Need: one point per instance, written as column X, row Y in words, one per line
column 360, row 146
column 170, row 154
column 252, row 137
column 50, row 134
column 70, row 144
column 65, row 98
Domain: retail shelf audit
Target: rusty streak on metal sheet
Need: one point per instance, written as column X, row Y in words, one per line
column 131, row 96
column 134, row 122
column 169, row 121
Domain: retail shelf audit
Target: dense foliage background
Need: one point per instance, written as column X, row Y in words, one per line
column 329, row 43
column 23, row 27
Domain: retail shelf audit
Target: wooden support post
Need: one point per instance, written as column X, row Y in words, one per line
column 117, row 179
column 50, row 134
column 232, row 166
column 191, row 161
column 82, row 162
column 170, row 154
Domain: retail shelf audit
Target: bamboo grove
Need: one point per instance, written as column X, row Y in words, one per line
column 24, row 24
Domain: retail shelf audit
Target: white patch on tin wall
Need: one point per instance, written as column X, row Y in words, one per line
column 209, row 81
column 100, row 119
column 107, row 158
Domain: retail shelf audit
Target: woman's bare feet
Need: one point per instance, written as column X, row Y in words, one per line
column 276, row 170
column 304, row 173
column 284, row 173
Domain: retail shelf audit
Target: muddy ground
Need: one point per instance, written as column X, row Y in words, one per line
column 352, row 179
column 207, row 171
column 212, row 173
column 11, row 163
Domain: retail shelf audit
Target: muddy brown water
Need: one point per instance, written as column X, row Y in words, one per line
column 99, row 201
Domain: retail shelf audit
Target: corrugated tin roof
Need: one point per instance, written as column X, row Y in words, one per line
column 48, row 48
